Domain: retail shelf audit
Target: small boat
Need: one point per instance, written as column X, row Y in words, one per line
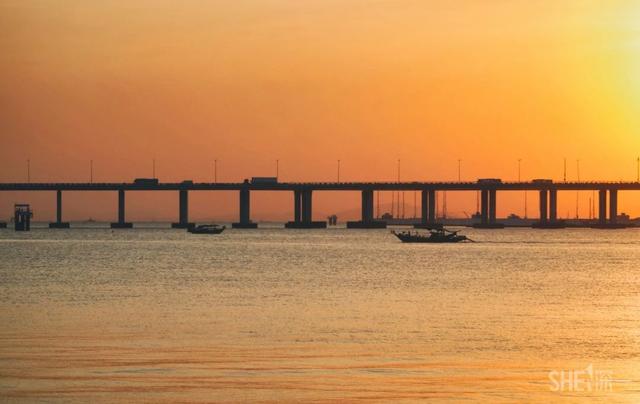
column 206, row 229
column 435, row 236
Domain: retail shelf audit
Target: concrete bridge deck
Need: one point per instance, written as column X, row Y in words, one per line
column 302, row 198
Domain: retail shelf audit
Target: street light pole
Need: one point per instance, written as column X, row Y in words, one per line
column 338, row 170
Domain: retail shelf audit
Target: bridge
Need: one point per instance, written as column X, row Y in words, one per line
column 303, row 197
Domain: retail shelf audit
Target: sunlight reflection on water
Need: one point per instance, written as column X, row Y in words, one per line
column 270, row 314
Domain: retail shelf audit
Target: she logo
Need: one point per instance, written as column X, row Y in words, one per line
column 587, row 379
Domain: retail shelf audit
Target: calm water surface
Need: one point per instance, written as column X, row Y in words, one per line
column 295, row 315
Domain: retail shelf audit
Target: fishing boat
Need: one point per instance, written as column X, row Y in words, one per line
column 434, row 236
column 206, row 229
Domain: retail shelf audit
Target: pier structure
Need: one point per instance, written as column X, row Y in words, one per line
column 303, row 197
column 59, row 224
column 428, row 210
column 121, row 223
column 548, row 203
column 183, row 210
column 612, row 221
column 245, row 210
column 303, row 212
column 488, row 204
column 367, row 220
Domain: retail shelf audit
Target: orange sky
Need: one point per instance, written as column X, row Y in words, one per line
column 311, row 82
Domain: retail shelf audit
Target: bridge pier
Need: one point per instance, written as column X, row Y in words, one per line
column 602, row 207
column 553, row 205
column 59, row 224
column 549, row 211
column 544, row 218
column 488, row 204
column 121, row 223
column 302, row 212
column 428, row 210
column 245, row 211
column 297, row 206
column 612, row 222
column 613, row 206
column 367, row 221
column 183, row 211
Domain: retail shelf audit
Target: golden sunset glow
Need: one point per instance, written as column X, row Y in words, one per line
column 312, row 82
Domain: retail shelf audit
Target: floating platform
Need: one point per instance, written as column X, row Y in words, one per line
column 549, row 225
column 611, row 226
column 250, row 225
column 59, row 225
column 374, row 224
column 124, row 225
column 488, row 226
column 182, row 225
column 307, row 225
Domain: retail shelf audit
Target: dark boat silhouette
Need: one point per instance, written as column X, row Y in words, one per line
column 434, row 236
column 206, row 229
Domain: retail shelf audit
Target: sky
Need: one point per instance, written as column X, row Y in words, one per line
column 311, row 82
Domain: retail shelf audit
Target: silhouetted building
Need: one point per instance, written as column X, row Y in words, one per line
column 22, row 217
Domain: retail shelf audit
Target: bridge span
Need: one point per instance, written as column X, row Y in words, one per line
column 303, row 197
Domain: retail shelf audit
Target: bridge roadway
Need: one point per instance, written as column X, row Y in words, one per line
column 302, row 192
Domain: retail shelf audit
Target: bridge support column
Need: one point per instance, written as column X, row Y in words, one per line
column 488, row 203
column 183, row 210
column 245, row 212
column 424, row 208
column 59, row 224
column 544, row 218
column 602, row 207
column 303, row 211
column 367, row 205
column 297, row 208
column 549, row 211
column 484, row 207
column 553, row 205
column 432, row 206
column 492, row 206
column 612, row 223
column 367, row 221
column 307, row 206
column 613, row 206
column 428, row 216
column 121, row 223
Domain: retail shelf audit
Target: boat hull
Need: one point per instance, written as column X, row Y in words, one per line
column 206, row 230
column 417, row 238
